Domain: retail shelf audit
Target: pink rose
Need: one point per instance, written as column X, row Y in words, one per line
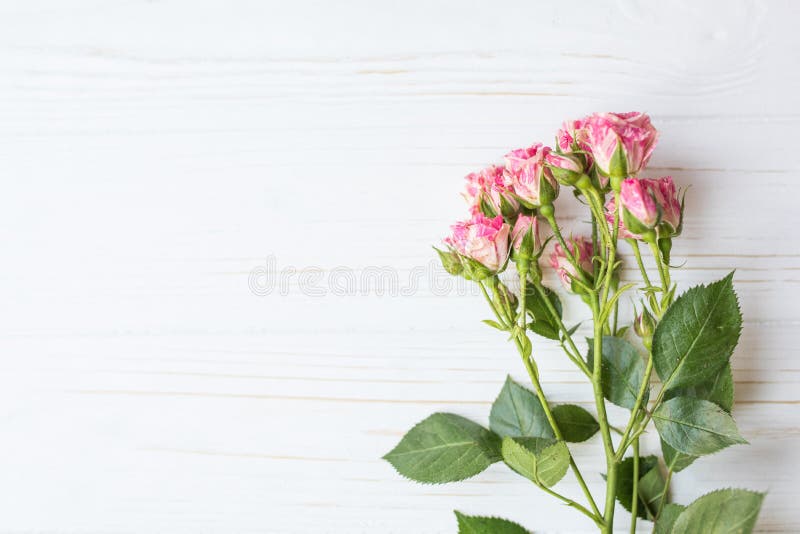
column 532, row 182
column 491, row 187
column 526, row 224
column 482, row 239
column 583, row 251
column 621, row 143
column 646, row 204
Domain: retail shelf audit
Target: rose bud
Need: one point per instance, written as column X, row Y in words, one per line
column 565, row 168
column 526, row 246
column 489, row 191
column 649, row 209
column 532, row 182
column 571, row 137
column 525, row 236
column 639, row 209
column 483, row 244
column 644, row 325
column 450, row 261
column 671, row 208
column 583, row 251
column 621, row 143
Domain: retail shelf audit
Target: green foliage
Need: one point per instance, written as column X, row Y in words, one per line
column 450, row 261
column 517, row 412
column 718, row 390
column 444, row 448
column 473, row 524
column 667, row 518
column 676, row 460
column 647, row 464
column 697, row 335
column 575, row 423
column 494, row 324
column 543, row 322
column 622, row 373
column 695, row 426
column 541, row 460
column 651, row 489
column 728, row 511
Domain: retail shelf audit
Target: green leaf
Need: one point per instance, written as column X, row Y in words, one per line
column 575, row 423
column 544, row 461
column 517, row 412
column 544, row 329
column 675, row 460
column 444, row 448
column 494, row 324
column 719, row 390
column 572, row 330
column 697, row 335
column 450, row 261
column 651, row 488
column 525, row 347
column 543, row 323
column 695, row 426
column 728, row 511
column 623, row 371
column 667, row 518
column 473, row 524
column 625, row 482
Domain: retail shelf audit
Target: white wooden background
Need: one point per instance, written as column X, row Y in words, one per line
column 154, row 153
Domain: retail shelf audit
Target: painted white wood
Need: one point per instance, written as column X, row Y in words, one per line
column 154, row 153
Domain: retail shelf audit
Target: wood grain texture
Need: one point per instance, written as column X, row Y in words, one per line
column 155, row 153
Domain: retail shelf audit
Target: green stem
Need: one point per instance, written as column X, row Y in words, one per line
column 523, row 292
column 596, row 205
column 638, row 254
column 611, row 463
column 597, row 520
column 649, row 290
column 635, row 492
column 611, row 490
column 637, row 406
column 612, row 253
column 492, row 306
column 663, row 273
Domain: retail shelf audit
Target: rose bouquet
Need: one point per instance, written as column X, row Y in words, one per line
column 686, row 342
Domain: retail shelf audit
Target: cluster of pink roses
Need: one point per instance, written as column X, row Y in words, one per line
column 598, row 155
